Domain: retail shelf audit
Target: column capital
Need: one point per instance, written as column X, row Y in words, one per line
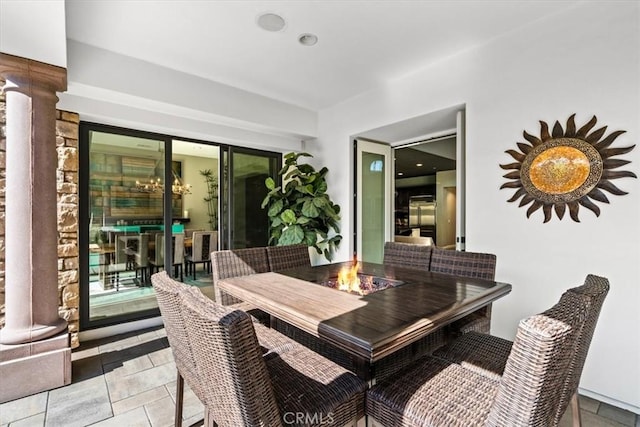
column 26, row 71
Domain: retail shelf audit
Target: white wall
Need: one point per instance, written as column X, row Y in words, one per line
column 34, row 29
column 114, row 89
column 584, row 60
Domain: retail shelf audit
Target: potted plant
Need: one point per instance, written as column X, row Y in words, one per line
column 212, row 197
column 302, row 211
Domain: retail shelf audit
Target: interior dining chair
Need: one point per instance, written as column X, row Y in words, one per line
column 487, row 354
column 168, row 293
column 438, row 392
column 468, row 264
column 133, row 252
column 203, row 243
column 244, row 388
column 288, row 256
column 407, row 255
column 177, row 245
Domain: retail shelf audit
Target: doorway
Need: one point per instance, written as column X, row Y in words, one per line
column 428, row 190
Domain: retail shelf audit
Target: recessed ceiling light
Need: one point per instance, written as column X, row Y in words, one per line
column 271, row 22
column 418, row 164
column 308, row 39
column 400, row 174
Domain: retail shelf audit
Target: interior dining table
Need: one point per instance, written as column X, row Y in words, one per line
column 410, row 305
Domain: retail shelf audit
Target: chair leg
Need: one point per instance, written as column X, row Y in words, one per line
column 575, row 410
column 179, row 400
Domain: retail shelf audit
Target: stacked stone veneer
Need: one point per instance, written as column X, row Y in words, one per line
column 67, row 187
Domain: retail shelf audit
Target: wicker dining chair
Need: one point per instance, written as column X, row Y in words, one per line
column 468, row 264
column 487, row 354
column 438, row 392
column 168, row 293
column 407, row 255
column 236, row 262
column 289, row 256
column 244, row 388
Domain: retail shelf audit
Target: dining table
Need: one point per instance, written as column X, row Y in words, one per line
column 404, row 306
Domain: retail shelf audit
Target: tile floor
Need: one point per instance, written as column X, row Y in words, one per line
column 129, row 380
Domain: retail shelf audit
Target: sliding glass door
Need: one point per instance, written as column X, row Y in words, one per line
column 151, row 202
column 248, row 223
column 124, row 211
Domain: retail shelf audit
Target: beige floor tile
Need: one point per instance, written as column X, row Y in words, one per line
column 122, row 387
column 23, row 408
column 161, row 413
column 138, row 389
column 32, row 421
column 622, row 416
column 135, row 418
column 139, row 400
column 589, row 404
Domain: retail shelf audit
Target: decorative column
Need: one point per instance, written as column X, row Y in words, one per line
column 35, row 338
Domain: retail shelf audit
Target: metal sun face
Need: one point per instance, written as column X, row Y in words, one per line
column 566, row 169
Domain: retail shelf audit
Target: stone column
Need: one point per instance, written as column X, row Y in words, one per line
column 31, row 240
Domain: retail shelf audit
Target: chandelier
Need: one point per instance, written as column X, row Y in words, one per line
column 155, row 186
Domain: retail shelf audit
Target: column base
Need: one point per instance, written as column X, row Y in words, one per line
column 34, row 367
column 11, row 336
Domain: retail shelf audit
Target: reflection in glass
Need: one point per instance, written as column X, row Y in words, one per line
column 250, row 222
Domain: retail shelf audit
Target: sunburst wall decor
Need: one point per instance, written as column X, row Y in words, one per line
column 566, row 169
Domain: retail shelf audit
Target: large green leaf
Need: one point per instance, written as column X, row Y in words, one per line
column 275, row 208
column 291, row 235
column 291, row 185
column 319, row 201
column 322, row 187
column 288, row 216
column 309, row 209
column 276, row 221
column 310, row 238
column 270, row 183
column 302, row 220
column 292, row 174
column 306, row 169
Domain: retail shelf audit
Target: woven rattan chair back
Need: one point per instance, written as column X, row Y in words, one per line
column 236, row 262
column 407, row 255
column 541, row 354
column 594, row 291
column 168, row 295
column 468, row 264
column 236, row 383
column 286, row 257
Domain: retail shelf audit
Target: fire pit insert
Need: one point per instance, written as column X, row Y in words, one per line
column 367, row 284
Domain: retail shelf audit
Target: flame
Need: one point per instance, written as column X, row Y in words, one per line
column 348, row 279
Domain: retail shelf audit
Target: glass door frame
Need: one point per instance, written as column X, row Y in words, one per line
column 84, row 176
column 226, row 156
column 385, row 150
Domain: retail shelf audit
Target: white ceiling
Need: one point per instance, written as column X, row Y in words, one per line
column 362, row 44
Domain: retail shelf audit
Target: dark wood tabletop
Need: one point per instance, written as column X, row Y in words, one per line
column 370, row 326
